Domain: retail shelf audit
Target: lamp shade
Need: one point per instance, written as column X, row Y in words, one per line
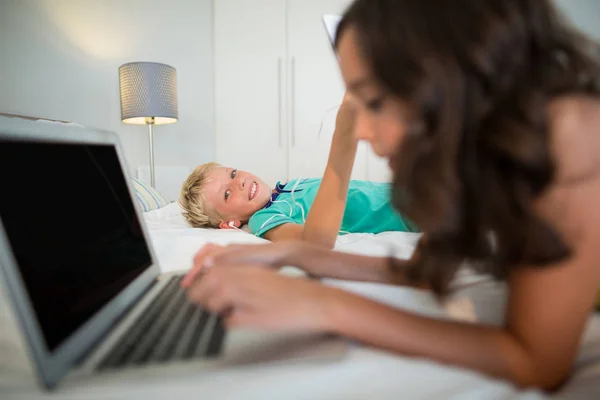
column 148, row 91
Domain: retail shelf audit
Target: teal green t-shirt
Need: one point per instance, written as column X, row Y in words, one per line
column 368, row 208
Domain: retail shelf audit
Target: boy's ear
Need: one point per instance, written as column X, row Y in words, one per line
column 229, row 224
column 224, row 225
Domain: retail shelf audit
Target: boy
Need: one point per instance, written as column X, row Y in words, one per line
column 217, row 196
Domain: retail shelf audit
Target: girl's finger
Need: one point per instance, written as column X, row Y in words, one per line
column 240, row 317
column 190, row 276
column 220, row 301
column 201, row 290
column 199, row 263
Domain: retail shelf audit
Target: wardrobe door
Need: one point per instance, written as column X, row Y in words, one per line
column 377, row 168
column 315, row 88
column 250, row 76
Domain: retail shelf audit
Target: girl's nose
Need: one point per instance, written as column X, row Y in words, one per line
column 362, row 128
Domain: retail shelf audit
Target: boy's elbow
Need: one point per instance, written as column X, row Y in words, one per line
column 548, row 381
column 299, row 232
column 325, row 242
column 288, row 231
column 548, row 376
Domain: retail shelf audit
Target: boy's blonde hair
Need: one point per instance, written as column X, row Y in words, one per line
column 191, row 199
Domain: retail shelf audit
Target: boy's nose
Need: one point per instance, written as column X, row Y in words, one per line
column 242, row 183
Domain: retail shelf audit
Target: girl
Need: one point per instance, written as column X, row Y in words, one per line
column 489, row 115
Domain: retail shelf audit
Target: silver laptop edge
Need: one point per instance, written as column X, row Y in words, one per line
column 53, row 366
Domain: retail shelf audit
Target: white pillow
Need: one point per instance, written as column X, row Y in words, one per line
column 168, row 217
column 148, row 197
column 167, row 212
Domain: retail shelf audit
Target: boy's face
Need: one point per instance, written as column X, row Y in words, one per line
column 236, row 195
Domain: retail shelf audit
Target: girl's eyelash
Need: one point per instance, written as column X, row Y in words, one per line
column 375, row 104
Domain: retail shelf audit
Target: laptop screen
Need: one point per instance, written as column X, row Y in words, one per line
column 73, row 230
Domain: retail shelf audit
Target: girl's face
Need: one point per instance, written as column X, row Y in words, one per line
column 381, row 118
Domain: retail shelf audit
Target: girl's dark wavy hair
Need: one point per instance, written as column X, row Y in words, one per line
column 480, row 74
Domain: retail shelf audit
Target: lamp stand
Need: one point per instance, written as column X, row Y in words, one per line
column 150, row 122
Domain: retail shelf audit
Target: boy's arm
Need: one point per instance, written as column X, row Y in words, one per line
column 287, row 231
column 325, row 216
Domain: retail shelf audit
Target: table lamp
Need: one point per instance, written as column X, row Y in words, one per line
column 148, row 96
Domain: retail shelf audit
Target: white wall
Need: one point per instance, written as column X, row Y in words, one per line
column 585, row 14
column 59, row 59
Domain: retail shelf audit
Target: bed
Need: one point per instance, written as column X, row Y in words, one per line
column 364, row 373
column 475, row 298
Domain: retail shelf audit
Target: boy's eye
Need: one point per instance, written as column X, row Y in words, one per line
column 233, row 173
column 226, row 194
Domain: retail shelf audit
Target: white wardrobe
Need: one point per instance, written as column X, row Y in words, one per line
column 277, row 85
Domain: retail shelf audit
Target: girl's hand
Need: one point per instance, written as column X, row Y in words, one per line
column 274, row 255
column 251, row 296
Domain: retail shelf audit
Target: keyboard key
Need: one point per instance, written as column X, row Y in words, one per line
column 128, row 341
column 165, row 347
column 186, row 335
column 196, row 334
column 216, row 340
column 151, row 337
column 169, row 328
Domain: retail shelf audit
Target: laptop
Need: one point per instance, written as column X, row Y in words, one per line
column 82, row 277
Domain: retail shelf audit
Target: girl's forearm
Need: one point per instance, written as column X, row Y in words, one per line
column 334, row 264
column 491, row 350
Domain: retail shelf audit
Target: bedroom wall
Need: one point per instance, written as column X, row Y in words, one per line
column 59, row 60
column 584, row 13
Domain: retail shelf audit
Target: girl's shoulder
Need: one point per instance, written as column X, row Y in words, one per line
column 568, row 203
column 575, row 137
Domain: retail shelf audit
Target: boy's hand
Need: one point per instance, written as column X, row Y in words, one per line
column 344, row 121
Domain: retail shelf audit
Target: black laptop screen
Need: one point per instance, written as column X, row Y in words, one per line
column 72, row 228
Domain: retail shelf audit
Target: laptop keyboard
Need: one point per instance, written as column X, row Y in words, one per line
column 170, row 328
